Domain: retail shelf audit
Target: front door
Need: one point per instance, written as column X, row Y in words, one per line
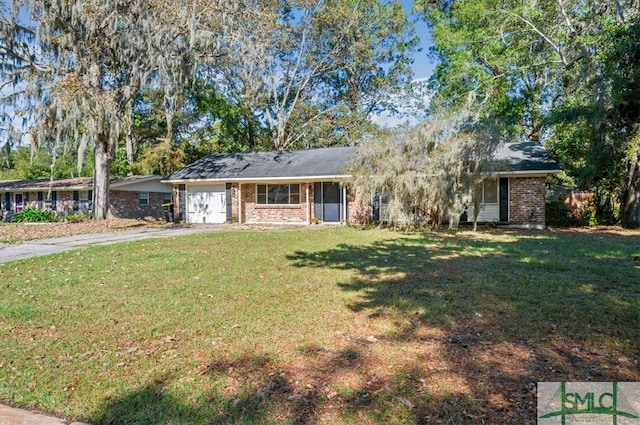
column 18, row 202
column 327, row 201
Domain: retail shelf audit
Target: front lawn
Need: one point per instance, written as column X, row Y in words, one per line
column 332, row 325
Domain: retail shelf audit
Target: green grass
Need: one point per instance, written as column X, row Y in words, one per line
column 326, row 326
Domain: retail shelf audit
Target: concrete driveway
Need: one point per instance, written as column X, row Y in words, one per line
column 37, row 248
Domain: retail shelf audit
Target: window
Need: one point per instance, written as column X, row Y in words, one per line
column 487, row 191
column 167, row 198
column 54, row 201
column 278, row 194
column 47, row 200
column 490, row 191
column 85, row 199
column 82, row 200
column 143, row 198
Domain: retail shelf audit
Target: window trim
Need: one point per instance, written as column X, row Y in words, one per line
column 481, row 192
column 295, row 195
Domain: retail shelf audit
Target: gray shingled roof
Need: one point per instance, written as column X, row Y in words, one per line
column 327, row 162
column 525, row 157
column 78, row 183
column 331, row 162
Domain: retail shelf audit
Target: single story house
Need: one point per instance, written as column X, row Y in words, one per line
column 129, row 197
column 306, row 186
column 281, row 187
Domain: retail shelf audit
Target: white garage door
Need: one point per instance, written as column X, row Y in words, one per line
column 207, row 204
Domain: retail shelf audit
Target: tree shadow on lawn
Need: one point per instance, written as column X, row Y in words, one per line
column 256, row 391
column 505, row 315
column 476, row 324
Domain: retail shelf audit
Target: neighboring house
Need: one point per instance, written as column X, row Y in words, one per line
column 309, row 185
column 265, row 187
column 129, row 197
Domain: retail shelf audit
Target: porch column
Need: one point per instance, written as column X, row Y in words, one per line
column 239, row 202
column 344, row 204
column 308, row 215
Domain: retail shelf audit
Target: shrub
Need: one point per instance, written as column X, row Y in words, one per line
column 558, row 213
column 34, row 215
column 78, row 218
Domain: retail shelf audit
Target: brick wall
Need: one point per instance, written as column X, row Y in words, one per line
column 126, row 204
column 253, row 213
column 64, row 203
column 123, row 204
column 526, row 200
column 30, row 200
column 234, row 202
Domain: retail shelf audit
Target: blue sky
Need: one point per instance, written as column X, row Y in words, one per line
column 422, row 66
column 422, row 70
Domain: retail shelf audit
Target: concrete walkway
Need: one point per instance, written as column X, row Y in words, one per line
column 11, row 416
column 37, row 248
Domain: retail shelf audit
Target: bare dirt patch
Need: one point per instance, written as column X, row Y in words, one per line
column 19, row 232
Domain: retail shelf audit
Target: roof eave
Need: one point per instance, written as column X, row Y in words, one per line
column 293, row 179
column 528, row 173
column 135, row 181
column 43, row 188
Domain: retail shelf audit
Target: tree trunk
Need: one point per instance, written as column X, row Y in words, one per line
column 631, row 209
column 128, row 137
column 101, row 163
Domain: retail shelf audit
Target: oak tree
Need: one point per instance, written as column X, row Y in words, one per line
column 77, row 66
column 545, row 69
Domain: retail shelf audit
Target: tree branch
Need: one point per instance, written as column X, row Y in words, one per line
column 540, row 33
